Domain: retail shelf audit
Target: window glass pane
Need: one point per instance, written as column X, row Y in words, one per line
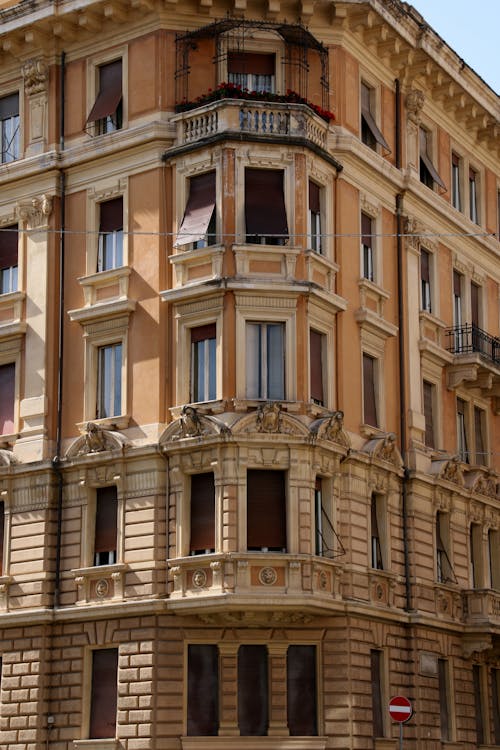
column 266, row 510
column 203, row 690
column 253, row 360
column 369, row 392
column 104, row 693
column 253, row 691
column 275, row 362
column 109, row 402
column 301, row 691
column 7, row 398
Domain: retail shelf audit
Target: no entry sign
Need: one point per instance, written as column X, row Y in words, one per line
column 400, row 709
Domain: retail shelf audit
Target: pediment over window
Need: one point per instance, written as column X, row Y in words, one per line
column 270, row 418
column 384, row 448
column 193, row 424
column 483, row 482
column 96, row 440
column 331, row 428
column 448, row 468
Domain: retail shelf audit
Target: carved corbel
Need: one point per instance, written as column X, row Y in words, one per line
column 36, row 213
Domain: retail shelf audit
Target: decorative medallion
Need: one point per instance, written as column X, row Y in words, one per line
column 102, row 588
column 199, row 578
column 268, row 576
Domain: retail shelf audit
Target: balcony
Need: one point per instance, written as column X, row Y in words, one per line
column 261, row 584
column 482, row 608
column 237, row 118
column 476, row 359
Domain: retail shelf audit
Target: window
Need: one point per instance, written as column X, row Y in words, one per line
column 494, row 558
column 425, row 281
column 376, row 658
column 9, row 127
column 266, row 511
column 428, row 172
column 198, row 226
column 2, row 537
column 106, row 525
column 7, row 398
column 203, row 363
column 109, row 381
column 203, row 690
column 444, row 570
column 477, row 682
column 301, row 691
column 462, row 442
column 370, row 133
column 428, row 394
column 315, row 217
column 202, row 514
column 495, row 699
column 444, row 700
column 107, row 112
column 104, row 693
column 265, row 212
column 265, row 358
column 370, row 416
column 8, row 259
column 327, row 543
column 317, row 354
column 253, row 691
column 481, row 456
column 473, row 196
column 456, row 198
column 110, row 252
column 460, row 336
column 367, row 247
column 377, row 521
column 476, row 550
column 252, row 71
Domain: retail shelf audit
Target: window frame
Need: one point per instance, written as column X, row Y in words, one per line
column 378, row 674
column 457, row 164
column 95, row 63
column 115, row 555
column 445, row 700
column 11, row 352
column 104, row 333
column 368, row 248
column 428, row 174
column 88, row 704
column 278, row 237
column 426, row 284
column 430, row 429
column 115, row 394
column 102, row 192
column 283, row 510
column 315, row 219
column 379, row 547
column 213, row 513
column 13, row 270
column 17, row 136
column 369, row 116
column 210, row 360
column 376, row 390
column 474, row 204
column 442, row 546
column 187, row 196
column 113, row 235
column 261, row 42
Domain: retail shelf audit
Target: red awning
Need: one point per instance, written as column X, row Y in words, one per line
column 110, row 91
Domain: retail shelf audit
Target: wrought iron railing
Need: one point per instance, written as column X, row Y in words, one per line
column 469, row 339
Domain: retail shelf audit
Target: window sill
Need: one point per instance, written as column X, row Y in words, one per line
column 107, row 744
column 105, row 285
column 102, row 310
column 200, row 264
column 259, row 743
column 119, row 422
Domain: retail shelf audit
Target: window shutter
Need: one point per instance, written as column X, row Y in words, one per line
column 424, row 156
column 455, row 160
column 7, row 398
column 111, row 215
column 103, row 701
column 265, row 212
column 374, row 128
column 251, row 62
column 366, row 230
column 253, row 691
column 479, row 438
column 203, row 690
column 106, row 519
column 369, row 400
column 9, row 106
column 2, row 535
column 474, row 303
column 201, row 333
column 202, row 513
column 478, row 698
column 9, row 246
column 377, row 708
column 266, row 510
column 443, row 699
column 457, row 284
column 424, row 266
column 110, row 91
column 428, row 414
column 316, row 365
column 301, row 691
column 314, row 197
column 199, row 209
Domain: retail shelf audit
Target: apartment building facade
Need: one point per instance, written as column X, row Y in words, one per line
column 249, row 378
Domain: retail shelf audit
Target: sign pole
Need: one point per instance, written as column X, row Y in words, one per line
column 401, row 735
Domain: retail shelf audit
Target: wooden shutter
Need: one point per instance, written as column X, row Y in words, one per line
column 478, row 699
column 203, row 690
column 314, row 197
column 265, row 212
column 301, row 691
column 443, row 699
column 110, row 91
column 111, row 215
column 428, row 414
column 266, row 510
column 251, row 62
column 7, row 398
column 377, row 708
column 369, row 399
column 425, row 158
column 9, row 246
column 316, row 365
column 366, row 230
column 474, row 304
column 479, row 437
column 202, row 513
column 201, row 333
column 368, row 118
column 106, row 519
column 103, row 702
column 457, row 284
column 199, row 209
column 455, row 160
column 424, row 266
column 2, row 535
column 253, row 691
column 9, row 106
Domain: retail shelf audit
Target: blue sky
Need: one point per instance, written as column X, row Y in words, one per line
column 471, row 29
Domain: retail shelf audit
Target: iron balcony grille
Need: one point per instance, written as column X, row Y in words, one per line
column 470, row 339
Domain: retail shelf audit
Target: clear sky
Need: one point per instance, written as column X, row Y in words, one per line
column 470, row 27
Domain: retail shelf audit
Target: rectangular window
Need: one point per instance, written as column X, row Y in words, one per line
column 428, row 394
column 110, row 251
column 444, row 572
column 202, row 514
column 462, row 442
column 109, row 381
column 106, row 526
column 444, row 700
column 253, row 691
column 107, row 112
column 456, row 198
column 370, row 132
column 9, row 127
column 251, row 70
column 495, row 699
column 203, row 690
column 301, row 691
column 425, row 281
column 367, row 247
column 265, row 212
column 315, row 217
column 476, row 549
column 457, row 298
column 370, row 415
column 473, row 197
column 317, row 347
column 2, row 537
column 203, row 363
column 198, row 226
column 475, row 294
column 327, row 543
column 7, row 398
column 376, row 658
column 494, row 558
column 479, row 437
column 104, row 694
column 265, row 360
column 428, row 172
column 376, row 522
column 8, row 259
column 479, row 704
column 266, row 511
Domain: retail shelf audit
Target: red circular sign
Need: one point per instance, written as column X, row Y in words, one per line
column 400, row 709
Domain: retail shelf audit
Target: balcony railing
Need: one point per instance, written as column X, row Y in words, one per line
column 470, row 339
